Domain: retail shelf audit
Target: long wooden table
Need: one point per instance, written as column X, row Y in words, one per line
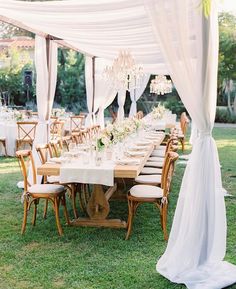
column 98, row 205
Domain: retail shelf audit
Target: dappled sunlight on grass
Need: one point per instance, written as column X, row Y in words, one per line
column 96, row 258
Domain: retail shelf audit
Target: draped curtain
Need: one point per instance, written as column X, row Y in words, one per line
column 89, row 90
column 104, row 93
column 46, row 78
column 121, row 102
column 197, row 240
column 135, row 94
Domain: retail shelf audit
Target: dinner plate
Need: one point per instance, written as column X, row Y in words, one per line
column 143, row 143
column 136, row 153
column 131, row 162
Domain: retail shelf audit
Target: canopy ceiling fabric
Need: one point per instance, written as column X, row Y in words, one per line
column 119, row 24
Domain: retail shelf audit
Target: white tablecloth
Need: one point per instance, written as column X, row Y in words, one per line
column 9, row 131
column 77, row 172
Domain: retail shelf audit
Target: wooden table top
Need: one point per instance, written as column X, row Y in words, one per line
column 120, row 171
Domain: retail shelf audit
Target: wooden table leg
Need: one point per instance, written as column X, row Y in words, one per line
column 98, row 209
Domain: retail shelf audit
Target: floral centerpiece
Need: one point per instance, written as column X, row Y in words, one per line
column 117, row 132
column 158, row 111
column 18, row 116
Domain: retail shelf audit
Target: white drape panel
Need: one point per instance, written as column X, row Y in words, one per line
column 121, row 102
column 194, row 133
column 197, row 240
column 89, row 89
column 104, row 93
column 135, row 94
column 46, row 78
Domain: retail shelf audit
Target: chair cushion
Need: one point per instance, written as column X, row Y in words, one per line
column 161, row 148
column 53, row 179
column 46, row 188
column 148, row 179
column 145, row 191
column 151, row 171
column 160, row 154
column 154, row 164
column 156, row 159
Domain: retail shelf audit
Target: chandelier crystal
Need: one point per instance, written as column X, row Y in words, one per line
column 124, row 73
column 160, row 85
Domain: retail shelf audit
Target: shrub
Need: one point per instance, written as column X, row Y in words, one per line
column 224, row 116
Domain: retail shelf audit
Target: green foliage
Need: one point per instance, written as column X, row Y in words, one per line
column 224, row 116
column 175, row 105
column 70, row 91
column 11, row 76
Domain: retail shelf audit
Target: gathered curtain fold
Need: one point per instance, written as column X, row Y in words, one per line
column 136, row 93
column 46, row 78
column 104, row 93
column 121, row 102
column 197, row 241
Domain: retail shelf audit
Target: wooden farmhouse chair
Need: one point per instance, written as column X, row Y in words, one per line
column 152, row 194
column 4, row 144
column 76, row 123
column 56, row 130
column 26, row 133
column 34, row 192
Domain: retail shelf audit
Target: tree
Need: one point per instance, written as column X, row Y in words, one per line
column 70, row 91
column 227, row 59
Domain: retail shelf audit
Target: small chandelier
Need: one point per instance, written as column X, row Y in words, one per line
column 124, row 74
column 160, row 85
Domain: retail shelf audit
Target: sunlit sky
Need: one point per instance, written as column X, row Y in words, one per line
column 228, row 5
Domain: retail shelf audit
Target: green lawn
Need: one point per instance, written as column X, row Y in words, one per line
column 86, row 258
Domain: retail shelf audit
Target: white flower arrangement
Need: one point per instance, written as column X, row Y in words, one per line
column 158, row 111
column 18, row 116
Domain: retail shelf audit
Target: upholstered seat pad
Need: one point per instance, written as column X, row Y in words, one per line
column 154, row 164
column 156, row 159
column 160, row 154
column 46, row 189
column 53, row 179
column 148, row 179
column 161, row 148
column 145, row 191
column 151, row 171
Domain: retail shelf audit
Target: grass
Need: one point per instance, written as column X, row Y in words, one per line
column 96, row 258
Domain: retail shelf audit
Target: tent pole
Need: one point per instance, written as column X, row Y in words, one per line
column 48, row 55
column 93, row 77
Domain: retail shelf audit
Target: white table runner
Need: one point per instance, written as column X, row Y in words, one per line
column 77, row 172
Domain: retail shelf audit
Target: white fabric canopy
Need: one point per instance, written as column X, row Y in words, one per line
column 169, row 37
column 118, row 24
column 135, row 94
column 197, row 240
column 121, row 102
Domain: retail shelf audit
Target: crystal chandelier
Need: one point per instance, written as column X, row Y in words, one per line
column 124, row 73
column 160, row 85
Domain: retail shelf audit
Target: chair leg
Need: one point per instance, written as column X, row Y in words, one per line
column 35, row 212
column 164, row 220
column 73, row 199
column 25, row 217
column 5, row 147
column 56, row 207
column 182, row 144
column 63, row 202
column 45, row 209
column 130, row 218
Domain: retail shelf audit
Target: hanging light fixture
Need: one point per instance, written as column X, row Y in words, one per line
column 160, row 85
column 124, row 73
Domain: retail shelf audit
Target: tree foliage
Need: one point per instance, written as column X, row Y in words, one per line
column 227, row 59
